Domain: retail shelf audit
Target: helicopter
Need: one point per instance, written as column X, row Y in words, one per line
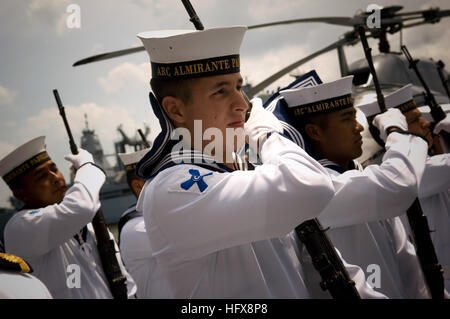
column 391, row 21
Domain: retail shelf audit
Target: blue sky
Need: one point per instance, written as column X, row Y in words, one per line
column 38, row 49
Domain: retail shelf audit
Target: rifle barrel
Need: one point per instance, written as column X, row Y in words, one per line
column 193, row 15
column 437, row 112
column 73, row 146
column 367, row 52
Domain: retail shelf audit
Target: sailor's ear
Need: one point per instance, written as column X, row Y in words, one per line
column 314, row 132
column 137, row 185
column 175, row 109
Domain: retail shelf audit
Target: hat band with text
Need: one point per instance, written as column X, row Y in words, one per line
column 323, row 106
column 14, row 175
column 130, row 167
column 407, row 106
column 197, row 68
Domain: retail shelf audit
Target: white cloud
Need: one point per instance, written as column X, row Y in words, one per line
column 258, row 9
column 7, row 96
column 103, row 119
column 5, row 148
column 258, row 68
column 97, row 48
column 124, row 74
column 52, row 12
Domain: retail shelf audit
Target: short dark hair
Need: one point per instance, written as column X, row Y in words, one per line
column 17, row 183
column 320, row 120
column 178, row 88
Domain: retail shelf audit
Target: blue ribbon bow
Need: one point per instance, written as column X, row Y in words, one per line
column 195, row 178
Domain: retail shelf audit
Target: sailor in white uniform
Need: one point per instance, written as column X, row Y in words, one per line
column 325, row 116
column 434, row 188
column 135, row 247
column 16, row 281
column 53, row 231
column 434, row 196
column 209, row 226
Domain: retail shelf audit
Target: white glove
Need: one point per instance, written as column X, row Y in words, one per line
column 260, row 122
column 81, row 158
column 393, row 117
column 443, row 125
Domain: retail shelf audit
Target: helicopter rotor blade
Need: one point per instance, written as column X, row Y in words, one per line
column 108, row 55
column 260, row 86
column 342, row 21
column 439, row 13
column 428, row 16
column 396, row 18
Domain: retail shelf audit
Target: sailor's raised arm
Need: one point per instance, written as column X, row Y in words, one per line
column 45, row 228
column 385, row 190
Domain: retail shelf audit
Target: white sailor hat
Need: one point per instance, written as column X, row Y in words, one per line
column 22, row 160
column 322, row 98
column 190, row 53
column 130, row 160
column 401, row 99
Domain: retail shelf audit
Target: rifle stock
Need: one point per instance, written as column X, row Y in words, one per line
column 432, row 269
column 326, row 261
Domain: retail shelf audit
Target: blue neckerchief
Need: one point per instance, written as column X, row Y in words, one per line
column 277, row 105
column 162, row 144
column 189, row 157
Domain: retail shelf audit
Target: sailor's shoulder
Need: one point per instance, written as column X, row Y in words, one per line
column 22, row 217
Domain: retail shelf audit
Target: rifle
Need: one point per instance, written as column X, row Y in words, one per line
column 426, row 253
column 105, row 245
column 432, row 269
column 436, row 110
column 380, row 97
column 326, row 261
column 193, row 15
